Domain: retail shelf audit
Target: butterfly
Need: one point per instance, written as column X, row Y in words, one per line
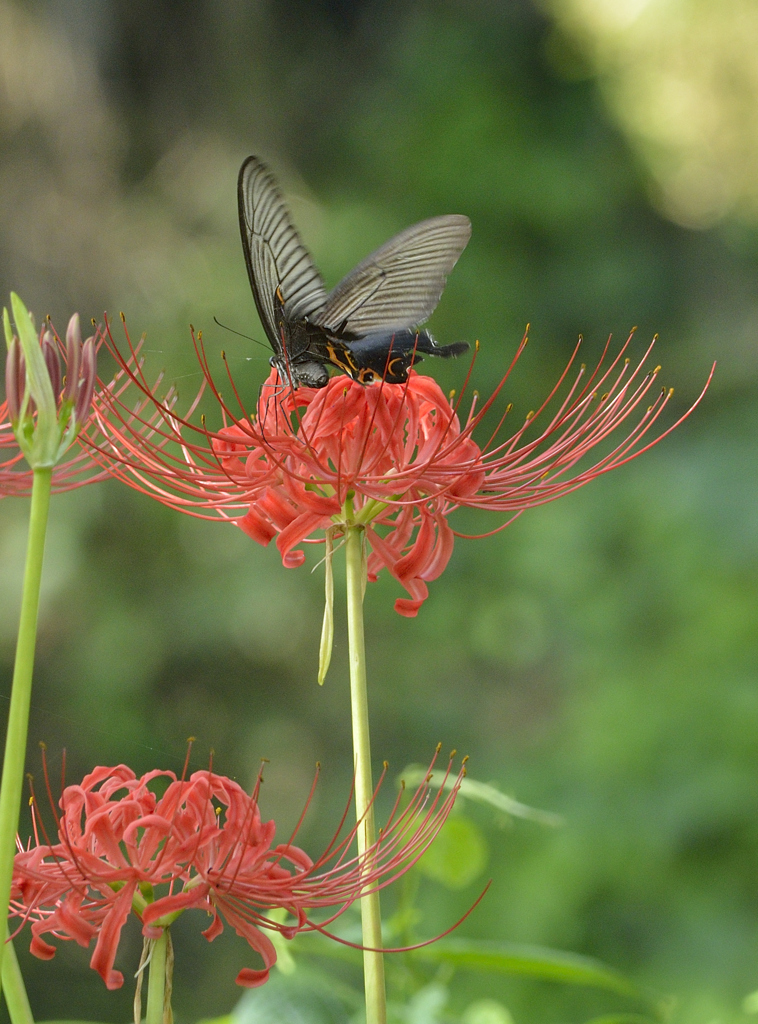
column 367, row 325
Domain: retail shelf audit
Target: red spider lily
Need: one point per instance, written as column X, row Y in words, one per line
column 69, row 370
column 121, row 848
column 394, row 459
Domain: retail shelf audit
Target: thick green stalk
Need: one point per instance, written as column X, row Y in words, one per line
column 12, row 782
column 371, row 917
column 16, row 999
column 156, row 981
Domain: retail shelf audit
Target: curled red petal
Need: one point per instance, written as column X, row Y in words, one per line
column 293, row 534
column 41, row 949
column 408, row 607
column 110, row 933
column 248, row 978
column 256, row 527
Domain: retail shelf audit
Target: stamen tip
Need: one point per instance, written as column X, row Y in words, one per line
column 657, row 369
column 439, row 747
column 123, row 317
column 465, row 759
column 453, row 752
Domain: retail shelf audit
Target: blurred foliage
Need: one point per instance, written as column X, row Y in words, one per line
column 683, row 80
column 597, row 659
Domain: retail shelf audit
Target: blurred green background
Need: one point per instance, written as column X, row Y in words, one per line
column 598, row 658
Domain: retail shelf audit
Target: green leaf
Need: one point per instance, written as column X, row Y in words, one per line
column 623, row 1018
column 536, row 961
column 750, row 1003
column 486, row 1011
column 482, row 793
column 304, row 997
column 425, row 1007
column 458, row 855
column 320, row 945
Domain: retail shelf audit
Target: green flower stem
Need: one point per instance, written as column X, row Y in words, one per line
column 18, row 715
column 371, row 917
column 16, row 999
column 156, row 981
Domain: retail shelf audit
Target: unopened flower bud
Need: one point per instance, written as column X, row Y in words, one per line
column 40, row 441
column 89, row 379
column 73, row 355
column 53, row 363
column 15, row 379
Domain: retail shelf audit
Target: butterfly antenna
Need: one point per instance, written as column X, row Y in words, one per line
column 240, row 334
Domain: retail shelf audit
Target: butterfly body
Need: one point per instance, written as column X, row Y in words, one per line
column 367, row 325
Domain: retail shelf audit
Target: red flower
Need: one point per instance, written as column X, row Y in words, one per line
column 67, row 372
column 392, row 458
column 121, row 848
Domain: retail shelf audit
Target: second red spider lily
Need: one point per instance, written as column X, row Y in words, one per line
column 393, row 459
column 121, row 848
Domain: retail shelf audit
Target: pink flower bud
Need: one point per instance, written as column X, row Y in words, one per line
column 15, row 379
column 53, row 363
column 73, row 355
column 89, row 379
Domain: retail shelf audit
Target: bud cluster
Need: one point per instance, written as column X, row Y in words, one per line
column 47, row 401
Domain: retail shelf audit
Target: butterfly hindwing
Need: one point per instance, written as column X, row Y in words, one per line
column 400, row 283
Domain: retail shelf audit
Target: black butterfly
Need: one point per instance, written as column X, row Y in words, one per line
column 366, row 325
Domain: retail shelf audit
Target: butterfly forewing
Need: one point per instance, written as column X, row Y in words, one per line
column 400, row 284
column 274, row 253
